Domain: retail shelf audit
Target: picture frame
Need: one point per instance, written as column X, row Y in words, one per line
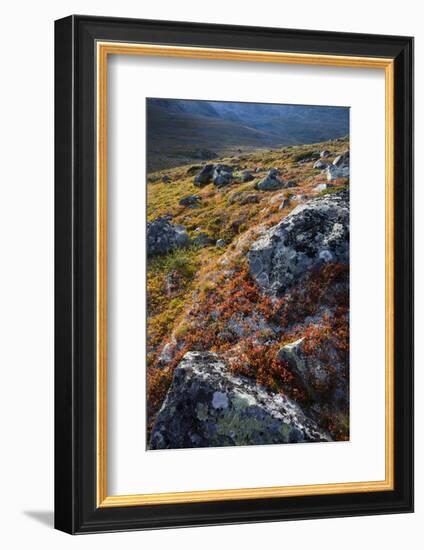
column 83, row 45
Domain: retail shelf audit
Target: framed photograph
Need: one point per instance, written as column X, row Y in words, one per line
column 234, row 274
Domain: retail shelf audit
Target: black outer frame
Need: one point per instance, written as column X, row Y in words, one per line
column 75, row 275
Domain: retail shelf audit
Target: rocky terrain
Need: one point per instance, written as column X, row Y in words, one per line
column 248, row 299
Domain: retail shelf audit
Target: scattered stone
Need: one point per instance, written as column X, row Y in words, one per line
column 204, row 176
column 222, row 175
column 320, row 165
column 163, row 237
column 249, row 199
column 190, row 200
column 220, row 243
column 202, row 239
column 271, row 182
column 246, row 176
column 166, row 179
column 312, row 234
column 324, row 154
column 207, row 406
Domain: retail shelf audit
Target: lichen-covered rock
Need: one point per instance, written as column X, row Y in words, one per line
column 312, row 234
column 207, row 406
column 163, row 236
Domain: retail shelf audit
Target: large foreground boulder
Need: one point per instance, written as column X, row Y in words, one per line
column 207, row 406
column 312, row 234
column 163, row 237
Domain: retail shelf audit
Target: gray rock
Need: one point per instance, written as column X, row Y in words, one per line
column 202, row 239
column 163, row 237
column 222, row 175
column 220, row 243
column 313, row 233
column 166, row 179
column 310, row 373
column 342, row 160
column 207, row 406
column 190, row 200
column 271, row 182
column 320, row 165
column 204, row 176
column 249, row 199
column 246, row 176
column 335, row 172
column 324, row 154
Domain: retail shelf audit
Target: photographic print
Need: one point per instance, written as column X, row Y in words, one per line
column 247, row 273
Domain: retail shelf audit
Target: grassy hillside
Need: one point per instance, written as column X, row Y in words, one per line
column 194, row 294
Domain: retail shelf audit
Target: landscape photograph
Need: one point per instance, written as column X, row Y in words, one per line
column 247, row 281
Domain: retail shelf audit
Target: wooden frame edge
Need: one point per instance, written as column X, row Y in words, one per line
column 103, row 49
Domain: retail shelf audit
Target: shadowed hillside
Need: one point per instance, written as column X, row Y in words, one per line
column 184, row 131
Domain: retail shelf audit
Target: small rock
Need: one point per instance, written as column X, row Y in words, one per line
column 166, row 179
column 190, row 200
column 202, row 239
column 320, row 165
column 249, row 199
column 324, row 154
column 220, row 243
column 246, row 176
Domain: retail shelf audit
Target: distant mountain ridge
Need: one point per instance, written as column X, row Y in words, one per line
column 177, row 129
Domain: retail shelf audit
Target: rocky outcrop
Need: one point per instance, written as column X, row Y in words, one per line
column 207, row 406
column 163, row 237
column 312, row 234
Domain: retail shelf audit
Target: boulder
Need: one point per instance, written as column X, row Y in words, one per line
column 166, row 179
column 163, row 237
column 190, row 200
column 312, row 234
column 220, row 243
column 335, row 172
column 271, row 182
column 324, row 154
column 222, row 175
column 204, row 176
column 207, row 406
